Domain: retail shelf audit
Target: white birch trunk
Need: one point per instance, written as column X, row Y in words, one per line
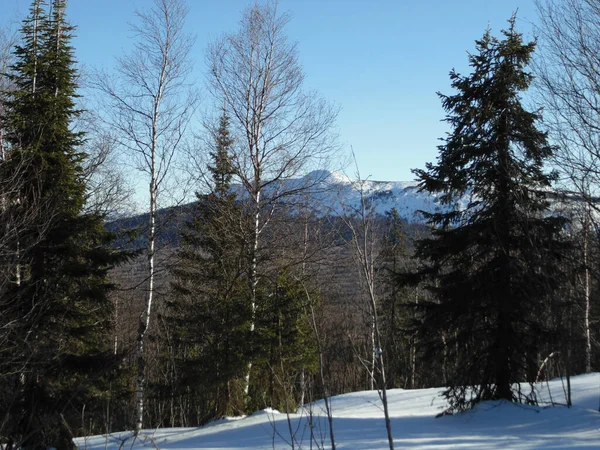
column 253, row 281
column 588, row 337
column 146, row 314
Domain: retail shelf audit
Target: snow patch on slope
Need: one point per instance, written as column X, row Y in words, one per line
column 335, row 193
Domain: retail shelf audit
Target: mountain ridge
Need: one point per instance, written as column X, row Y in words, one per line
column 335, row 194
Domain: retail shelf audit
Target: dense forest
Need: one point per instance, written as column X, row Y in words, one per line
column 260, row 292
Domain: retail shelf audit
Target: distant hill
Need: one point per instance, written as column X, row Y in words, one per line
column 329, row 194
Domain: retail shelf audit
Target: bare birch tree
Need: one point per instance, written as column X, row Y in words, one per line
column 281, row 130
column 568, row 81
column 567, row 69
column 150, row 106
column 360, row 221
column 110, row 192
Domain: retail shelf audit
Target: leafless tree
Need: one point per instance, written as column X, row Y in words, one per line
column 568, row 80
column 281, row 131
column 360, row 220
column 109, row 191
column 567, row 73
column 149, row 108
column 322, row 378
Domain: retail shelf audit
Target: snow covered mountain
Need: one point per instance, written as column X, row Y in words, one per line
column 336, row 194
column 358, row 424
column 332, row 193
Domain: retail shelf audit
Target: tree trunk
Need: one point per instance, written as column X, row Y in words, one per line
column 253, row 280
column 145, row 318
column 588, row 338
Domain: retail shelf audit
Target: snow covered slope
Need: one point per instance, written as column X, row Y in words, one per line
column 334, row 193
column 358, row 424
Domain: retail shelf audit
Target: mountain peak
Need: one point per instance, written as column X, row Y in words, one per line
column 326, row 176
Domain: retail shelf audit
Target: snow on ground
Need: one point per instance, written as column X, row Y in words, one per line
column 358, row 424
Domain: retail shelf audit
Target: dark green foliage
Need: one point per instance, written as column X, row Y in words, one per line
column 493, row 265
column 56, row 359
column 393, row 309
column 209, row 314
column 222, row 170
column 284, row 346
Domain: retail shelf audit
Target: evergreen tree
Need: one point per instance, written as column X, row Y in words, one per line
column 283, row 345
column 208, row 312
column 493, row 264
column 56, row 312
column 222, row 170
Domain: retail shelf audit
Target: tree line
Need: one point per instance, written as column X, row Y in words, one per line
column 266, row 300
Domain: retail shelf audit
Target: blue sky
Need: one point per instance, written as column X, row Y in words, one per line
column 380, row 61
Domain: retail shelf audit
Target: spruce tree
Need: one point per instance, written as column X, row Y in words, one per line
column 493, row 263
column 208, row 310
column 56, row 312
column 283, row 344
column 222, row 169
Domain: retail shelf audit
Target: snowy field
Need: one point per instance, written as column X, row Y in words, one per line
column 358, row 424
